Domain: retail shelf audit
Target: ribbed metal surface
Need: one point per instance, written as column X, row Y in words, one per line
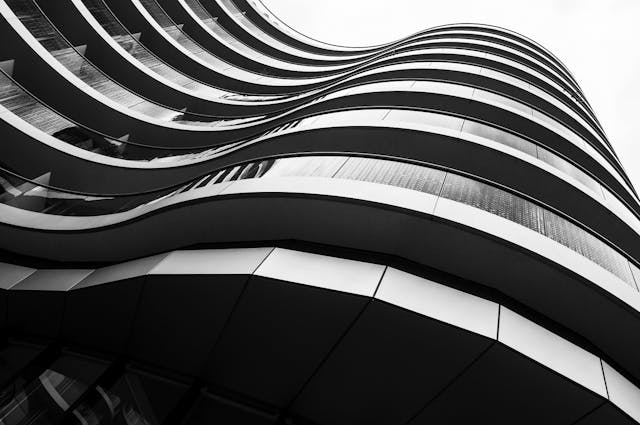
column 571, row 236
column 394, row 174
column 493, row 200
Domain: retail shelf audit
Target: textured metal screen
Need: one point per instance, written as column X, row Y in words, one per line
column 502, row 100
column 427, row 118
column 587, row 245
column 310, row 166
column 493, row 200
column 566, row 167
column 529, row 148
column 499, row 136
column 37, row 23
column 526, row 213
column 22, row 104
column 393, row 173
column 349, row 117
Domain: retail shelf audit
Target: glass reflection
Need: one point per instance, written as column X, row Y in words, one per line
column 135, row 398
column 46, row 399
column 74, row 389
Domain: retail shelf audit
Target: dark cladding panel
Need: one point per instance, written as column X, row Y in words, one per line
column 504, row 387
column 180, row 317
column 279, row 333
column 36, row 304
column 389, row 364
column 13, row 358
column 100, row 317
column 213, row 410
column 606, row 414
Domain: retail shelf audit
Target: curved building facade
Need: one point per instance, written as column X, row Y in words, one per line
column 207, row 217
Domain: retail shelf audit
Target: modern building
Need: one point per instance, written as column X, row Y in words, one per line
column 207, row 217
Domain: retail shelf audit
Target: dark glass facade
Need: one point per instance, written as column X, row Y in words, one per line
column 207, row 217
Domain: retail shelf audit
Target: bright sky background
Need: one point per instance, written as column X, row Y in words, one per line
column 598, row 40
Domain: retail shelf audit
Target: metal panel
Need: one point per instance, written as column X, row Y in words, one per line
column 10, row 274
column 212, row 261
column 440, row 302
column 622, row 392
column 555, row 352
column 52, row 280
column 120, row 271
column 322, row 271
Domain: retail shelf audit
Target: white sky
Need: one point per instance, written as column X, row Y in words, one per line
column 598, row 40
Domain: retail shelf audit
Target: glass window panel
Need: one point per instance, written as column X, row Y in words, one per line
column 45, row 399
column 136, row 398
